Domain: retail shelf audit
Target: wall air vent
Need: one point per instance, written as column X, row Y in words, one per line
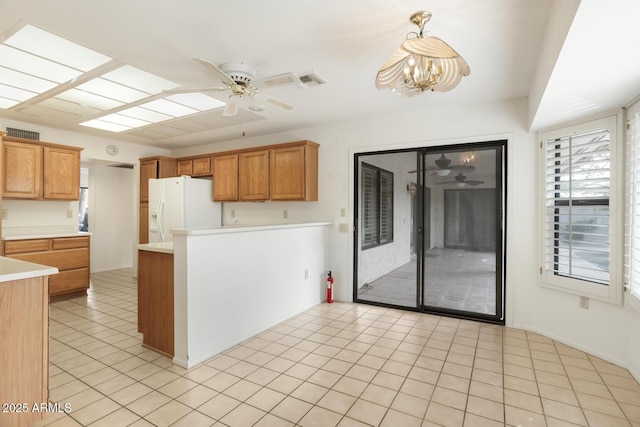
column 21, row 133
column 312, row 79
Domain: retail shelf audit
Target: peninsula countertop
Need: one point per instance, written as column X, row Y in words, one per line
column 13, row 269
column 45, row 235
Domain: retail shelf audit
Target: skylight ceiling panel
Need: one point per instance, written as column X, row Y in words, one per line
column 101, row 124
column 196, row 100
column 8, row 103
column 36, row 66
column 47, row 113
column 46, row 45
column 108, row 89
column 70, row 107
column 14, row 93
column 85, row 98
column 170, row 108
column 124, row 120
column 25, row 81
column 145, row 114
column 139, row 79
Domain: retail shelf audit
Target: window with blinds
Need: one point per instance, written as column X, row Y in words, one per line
column 632, row 211
column 579, row 209
column 377, row 206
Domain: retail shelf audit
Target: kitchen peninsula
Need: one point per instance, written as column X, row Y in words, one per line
column 231, row 283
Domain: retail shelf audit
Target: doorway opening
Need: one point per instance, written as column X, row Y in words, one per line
column 430, row 229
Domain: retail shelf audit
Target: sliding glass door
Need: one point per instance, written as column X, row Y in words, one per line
column 429, row 232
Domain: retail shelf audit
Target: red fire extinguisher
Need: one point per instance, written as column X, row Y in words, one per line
column 329, row 288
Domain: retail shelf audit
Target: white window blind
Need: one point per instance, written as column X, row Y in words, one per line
column 577, row 200
column 369, row 206
column 582, row 174
column 632, row 211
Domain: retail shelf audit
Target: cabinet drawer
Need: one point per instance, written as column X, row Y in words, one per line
column 67, row 259
column 22, row 246
column 69, row 281
column 70, row 243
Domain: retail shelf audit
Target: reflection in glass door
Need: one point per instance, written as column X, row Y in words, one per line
column 429, row 229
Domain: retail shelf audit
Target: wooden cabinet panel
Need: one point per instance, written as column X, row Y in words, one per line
column 148, row 170
column 61, row 180
column 253, row 175
column 24, row 362
column 22, row 170
column 225, row 177
column 22, row 246
column 70, row 255
column 155, row 300
column 69, row 281
column 185, row 167
column 202, row 166
column 144, row 223
column 294, row 172
column 70, row 243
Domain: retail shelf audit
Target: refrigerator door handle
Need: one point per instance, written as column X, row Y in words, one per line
column 161, row 219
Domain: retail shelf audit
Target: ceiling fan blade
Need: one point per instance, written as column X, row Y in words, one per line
column 224, row 77
column 474, row 182
column 270, row 100
column 276, row 80
column 231, row 109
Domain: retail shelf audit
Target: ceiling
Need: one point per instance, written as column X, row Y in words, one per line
column 343, row 42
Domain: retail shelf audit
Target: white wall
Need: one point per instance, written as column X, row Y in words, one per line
column 111, row 213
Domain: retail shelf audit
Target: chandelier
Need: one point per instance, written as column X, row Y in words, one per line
column 422, row 64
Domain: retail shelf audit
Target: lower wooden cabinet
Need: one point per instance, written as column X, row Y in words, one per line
column 70, row 255
column 155, row 300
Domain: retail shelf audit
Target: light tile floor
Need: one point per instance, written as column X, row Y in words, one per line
column 338, row 364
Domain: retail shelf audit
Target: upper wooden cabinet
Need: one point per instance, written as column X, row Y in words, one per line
column 61, row 170
column 294, row 172
column 198, row 166
column 253, row 175
column 225, row 177
column 154, row 167
column 33, row 170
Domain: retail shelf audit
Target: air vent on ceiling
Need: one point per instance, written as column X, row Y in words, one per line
column 21, row 133
column 311, row 79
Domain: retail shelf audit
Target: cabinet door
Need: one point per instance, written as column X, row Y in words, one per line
column 61, row 173
column 202, row 166
column 148, row 169
column 22, row 170
column 225, row 177
column 144, row 223
column 288, row 173
column 185, row 167
column 253, row 175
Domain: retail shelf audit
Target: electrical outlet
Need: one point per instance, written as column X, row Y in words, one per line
column 69, row 213
column 233, row 213
column 5, row 214
column 285, row 214
column 584, row 303
column 343, row 212
column 343, row 228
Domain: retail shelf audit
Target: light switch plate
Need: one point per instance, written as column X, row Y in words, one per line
column 343, row 228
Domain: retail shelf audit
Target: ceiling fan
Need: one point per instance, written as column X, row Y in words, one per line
column 443, row 167
column 461, row 181
column 239, row 80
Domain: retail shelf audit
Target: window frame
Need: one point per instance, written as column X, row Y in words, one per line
column 378, row 206
column 612, row 292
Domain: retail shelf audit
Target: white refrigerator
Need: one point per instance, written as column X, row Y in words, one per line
column 181, row 202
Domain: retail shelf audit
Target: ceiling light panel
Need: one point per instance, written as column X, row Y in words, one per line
column 25, row 81
column 197, row 100
column 108, row 89
column 46, row 45
column 89, row 99
column 8, row 103
column 36, row 66
column 127, row 121
column 14, row 93
column 144, row 114
column 169, row 108
column 101, row 124
column 136, row 78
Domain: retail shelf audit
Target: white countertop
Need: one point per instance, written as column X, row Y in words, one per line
column 245, row 228
column 163, row 247
column 13, row 269
column 44, row 235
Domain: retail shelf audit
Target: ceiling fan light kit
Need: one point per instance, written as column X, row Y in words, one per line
column 422, row 64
